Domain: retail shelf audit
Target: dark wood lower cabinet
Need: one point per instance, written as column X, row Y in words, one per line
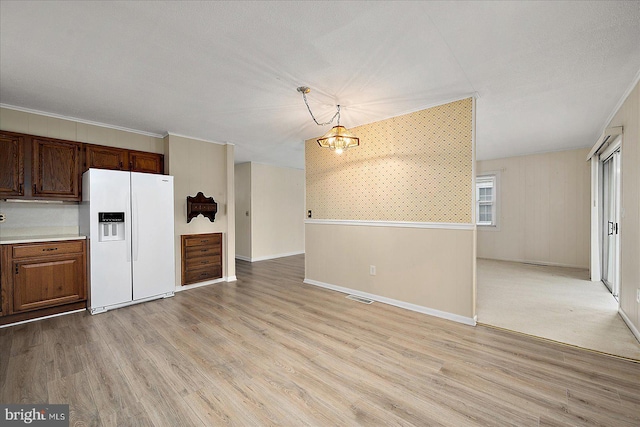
column 39, row 279
column 201, row 257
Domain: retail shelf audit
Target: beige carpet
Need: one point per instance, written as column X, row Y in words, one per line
column 556, row 303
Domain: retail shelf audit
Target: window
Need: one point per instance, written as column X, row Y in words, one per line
column 486, row 200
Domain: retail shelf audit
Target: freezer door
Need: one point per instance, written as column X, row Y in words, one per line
column 109, row 260
column 153, row 234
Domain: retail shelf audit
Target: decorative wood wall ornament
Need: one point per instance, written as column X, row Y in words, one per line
column 200, row 204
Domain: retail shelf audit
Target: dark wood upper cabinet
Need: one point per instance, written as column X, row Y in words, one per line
column 140, row 161
column 101, row 157
column 11, row 165
column 41, row 168
column 56, row 169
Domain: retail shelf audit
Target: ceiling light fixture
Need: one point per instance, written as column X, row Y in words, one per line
column 338, row 138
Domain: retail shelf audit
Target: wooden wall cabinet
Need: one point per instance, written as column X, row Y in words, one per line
column 55, row 169
column 101, row 157
column 34, row 167
column 201, row 257
column 39, row 279
column 140, row 161
column 11, row 165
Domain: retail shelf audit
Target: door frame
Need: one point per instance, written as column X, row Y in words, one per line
column 609, row 136
column 611, row 154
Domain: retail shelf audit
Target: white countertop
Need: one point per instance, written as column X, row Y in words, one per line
column 39, row 238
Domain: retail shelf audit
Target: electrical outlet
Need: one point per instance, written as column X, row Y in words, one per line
column 2, row 217
column 309, row 214
column 372, row 270
column 638, row 295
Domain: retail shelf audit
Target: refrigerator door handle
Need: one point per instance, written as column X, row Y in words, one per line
column 127, row 229
column 136, row 227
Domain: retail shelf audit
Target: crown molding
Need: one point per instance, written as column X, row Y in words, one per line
column 195, row 139
column 78, row 120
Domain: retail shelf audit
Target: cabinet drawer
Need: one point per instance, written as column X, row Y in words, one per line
column 196, row 263
column 205, row 240
column 202, row 251
column 213, row 272
column 46, row 249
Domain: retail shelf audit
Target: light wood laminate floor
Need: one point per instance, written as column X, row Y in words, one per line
column 270, row 350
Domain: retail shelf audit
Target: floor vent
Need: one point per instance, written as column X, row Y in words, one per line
column 359, row 299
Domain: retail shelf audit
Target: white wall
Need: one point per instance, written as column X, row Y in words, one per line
column 243, row 210
column 42, row 219
column 207, row 167
column 628, row 116
column 543, row 213
column 277, row 200
column 425, row 269
column 53, row 127
column 274, row 198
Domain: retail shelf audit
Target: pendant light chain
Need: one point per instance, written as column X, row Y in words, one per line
column 337, row 114
column 338, row 138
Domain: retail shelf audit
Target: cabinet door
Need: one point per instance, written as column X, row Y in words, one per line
column 56, row 169
column 100, row 157
column 146, row 162
column 47, row 282
column 11, row 165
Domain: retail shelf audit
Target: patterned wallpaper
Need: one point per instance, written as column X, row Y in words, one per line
column 416, row 167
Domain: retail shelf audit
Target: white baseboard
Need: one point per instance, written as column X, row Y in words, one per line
column 630, row 324
column 534, row 262
column 197, row 285
column 406, row 305
column 268, row 257
column 231, row 279
column 42, row 318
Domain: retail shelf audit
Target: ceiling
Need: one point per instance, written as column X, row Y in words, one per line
column 547, row 74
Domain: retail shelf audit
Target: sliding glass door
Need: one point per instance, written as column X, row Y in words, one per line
column 610, row 221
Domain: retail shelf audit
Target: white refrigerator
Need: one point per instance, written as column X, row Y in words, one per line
column 129, row 223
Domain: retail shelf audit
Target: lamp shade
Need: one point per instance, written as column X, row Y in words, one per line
column 338, row 139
